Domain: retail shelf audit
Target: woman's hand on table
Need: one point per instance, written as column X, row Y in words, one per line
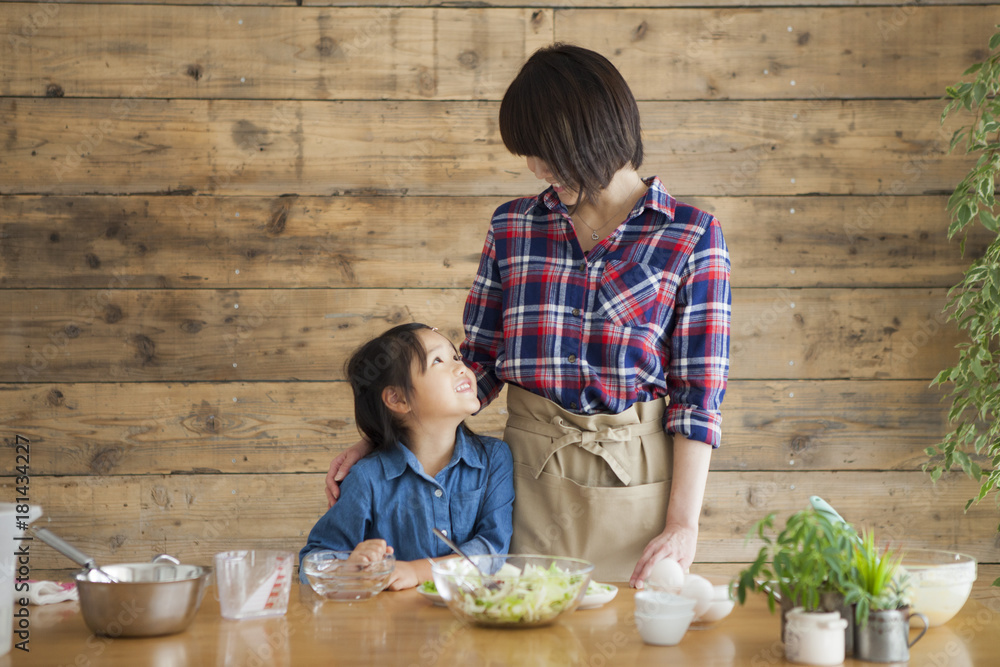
column 341, row 465
column 677, row 542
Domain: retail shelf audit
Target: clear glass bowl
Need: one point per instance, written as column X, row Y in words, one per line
column 519, row 591
column 333, row 577
column 940, row 582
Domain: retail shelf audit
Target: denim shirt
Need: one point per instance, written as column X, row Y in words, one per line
column 388, row 495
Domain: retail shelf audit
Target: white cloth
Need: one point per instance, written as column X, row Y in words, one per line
column 48, row 592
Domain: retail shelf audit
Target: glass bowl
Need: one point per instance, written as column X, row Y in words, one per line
column 939, row 583
column 334, row 577
column 519, row 591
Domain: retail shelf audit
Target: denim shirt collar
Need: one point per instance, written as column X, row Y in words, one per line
column 396, row 459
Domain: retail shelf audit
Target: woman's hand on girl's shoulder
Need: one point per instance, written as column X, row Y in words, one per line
column 341, row 465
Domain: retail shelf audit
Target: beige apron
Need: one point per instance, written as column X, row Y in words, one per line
column 593, row 487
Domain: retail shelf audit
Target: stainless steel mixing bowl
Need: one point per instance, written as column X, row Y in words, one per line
column 148, row 599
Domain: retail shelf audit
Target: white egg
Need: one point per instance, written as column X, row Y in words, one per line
column 699, row 589
column 666, row 574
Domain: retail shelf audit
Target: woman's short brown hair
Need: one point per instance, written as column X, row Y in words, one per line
column 571, row 108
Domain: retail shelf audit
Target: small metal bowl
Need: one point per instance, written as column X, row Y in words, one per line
column 149, row 599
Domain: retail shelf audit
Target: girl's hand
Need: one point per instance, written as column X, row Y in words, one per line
column 340, row 466
column 403, row 576
column 370, row 551
column 677, row 542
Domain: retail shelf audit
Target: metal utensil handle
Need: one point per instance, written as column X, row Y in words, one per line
column 454, row 547
column 491, row 583
column 63, row 547
column 71, row 552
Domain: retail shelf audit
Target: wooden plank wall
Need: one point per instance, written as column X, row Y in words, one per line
column 204, row 208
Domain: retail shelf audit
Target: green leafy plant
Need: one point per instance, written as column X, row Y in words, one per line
column 974, row 302
column 878, row 583
column 811, row 556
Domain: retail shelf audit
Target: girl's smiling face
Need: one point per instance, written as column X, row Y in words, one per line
column 444, row 386
column 541, row 170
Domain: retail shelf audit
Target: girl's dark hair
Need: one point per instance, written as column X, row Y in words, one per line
column 384, row 361
column 570, row 107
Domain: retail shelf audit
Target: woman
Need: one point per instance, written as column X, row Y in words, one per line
column 604, row 304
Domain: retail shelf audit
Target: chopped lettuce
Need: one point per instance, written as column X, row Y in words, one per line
column 536, row 595
column 429, row 587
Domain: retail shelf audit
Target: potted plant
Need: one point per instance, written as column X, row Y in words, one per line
column 806, row 568
column 975, row 301
column 878, row 589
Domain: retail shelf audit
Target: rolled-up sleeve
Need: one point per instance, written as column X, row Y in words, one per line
column 699, row 347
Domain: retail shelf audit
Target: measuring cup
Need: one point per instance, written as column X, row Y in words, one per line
column 253, row 584
column 15, row 566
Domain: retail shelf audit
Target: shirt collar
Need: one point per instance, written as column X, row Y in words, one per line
column 657, row 198
column 396, row 459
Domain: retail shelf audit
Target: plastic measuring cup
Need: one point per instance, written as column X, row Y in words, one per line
column 253, row 584
column 13, row 521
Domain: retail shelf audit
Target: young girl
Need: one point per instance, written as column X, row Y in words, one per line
column 412, row 392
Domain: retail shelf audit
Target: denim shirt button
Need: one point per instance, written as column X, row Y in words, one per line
column 438, row 493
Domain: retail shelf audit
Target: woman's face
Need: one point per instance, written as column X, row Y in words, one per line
column 541, row 171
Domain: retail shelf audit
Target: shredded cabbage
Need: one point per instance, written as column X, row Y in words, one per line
column 535, row 595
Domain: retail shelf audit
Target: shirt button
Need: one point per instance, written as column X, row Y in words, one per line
column 572, row 406
column 438, row 493
column 583, row 266
column 572, row 358
column 444, row 532
column 576, row 312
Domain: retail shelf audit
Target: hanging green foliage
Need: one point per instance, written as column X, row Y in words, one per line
column 974, row 302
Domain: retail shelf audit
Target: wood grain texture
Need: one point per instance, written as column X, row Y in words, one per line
column 384, row 242
column 131, row 518
column 228, row 6
column 300, row 426
column 205, row 205
column 237, row 335
column 272, row 52
column 77, row 146
column 770, row 53
column 473, row 53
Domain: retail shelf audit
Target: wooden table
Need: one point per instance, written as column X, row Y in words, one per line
column 404, row 629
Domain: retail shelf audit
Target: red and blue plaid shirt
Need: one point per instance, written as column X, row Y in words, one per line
column 644, row 314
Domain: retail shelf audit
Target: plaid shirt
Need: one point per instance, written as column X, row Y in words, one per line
column 644, row 314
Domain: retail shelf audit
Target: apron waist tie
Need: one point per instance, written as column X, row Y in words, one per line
column 564, row 434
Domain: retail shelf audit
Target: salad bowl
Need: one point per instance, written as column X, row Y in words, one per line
column 519, row 591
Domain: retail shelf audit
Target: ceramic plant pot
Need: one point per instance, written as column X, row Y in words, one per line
column 827, row 602
column 886, row 636
column 814, row 638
